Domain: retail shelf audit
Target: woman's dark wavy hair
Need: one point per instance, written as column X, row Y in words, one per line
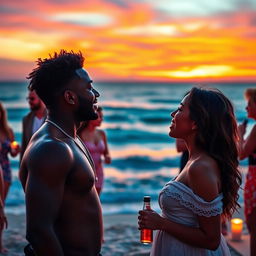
column 52, row 74
column 214, row 116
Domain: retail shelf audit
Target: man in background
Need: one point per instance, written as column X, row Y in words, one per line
column 33, row 120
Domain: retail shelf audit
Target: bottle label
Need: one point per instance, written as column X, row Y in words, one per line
column 146, row 236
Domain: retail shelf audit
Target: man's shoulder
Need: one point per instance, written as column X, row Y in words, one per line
column 48, row 149
column 101, row 133
column 48, row 160
column 28, row 115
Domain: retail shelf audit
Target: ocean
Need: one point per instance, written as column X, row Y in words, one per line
column 136, row 121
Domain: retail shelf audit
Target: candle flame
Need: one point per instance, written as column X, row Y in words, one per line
column 237, row 221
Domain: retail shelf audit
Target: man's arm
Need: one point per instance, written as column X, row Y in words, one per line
column 246, row 147
column 48, row 166
column 23, row 140
column 106, row 152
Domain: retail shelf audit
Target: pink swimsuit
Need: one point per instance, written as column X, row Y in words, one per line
column 96, row 151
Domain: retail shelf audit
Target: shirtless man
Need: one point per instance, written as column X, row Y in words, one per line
column 64, row 214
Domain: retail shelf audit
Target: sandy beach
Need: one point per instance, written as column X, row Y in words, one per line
column 121, row 236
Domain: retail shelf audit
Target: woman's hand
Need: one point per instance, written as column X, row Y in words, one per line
column 107, row 159
column 3, row 220
column 150, row 219
column 15, row 148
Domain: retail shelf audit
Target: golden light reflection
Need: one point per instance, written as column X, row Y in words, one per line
column 200, row 71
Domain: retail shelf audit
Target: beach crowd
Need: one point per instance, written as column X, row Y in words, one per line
column 61, row 167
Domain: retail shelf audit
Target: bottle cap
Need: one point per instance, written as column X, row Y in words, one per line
column 146, row 198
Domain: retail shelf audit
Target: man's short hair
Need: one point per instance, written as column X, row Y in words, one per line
column 52, row 74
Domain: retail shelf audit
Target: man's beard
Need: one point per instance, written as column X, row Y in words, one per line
column 35, row 107
column 86, row 111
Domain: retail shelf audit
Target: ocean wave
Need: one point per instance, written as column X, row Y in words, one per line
column 159, row 128
column 16, row 114
column 136, row 136
column 167, row 101
column 142, row 151
column 143, row 163
column 152, row 119
column 135, row 106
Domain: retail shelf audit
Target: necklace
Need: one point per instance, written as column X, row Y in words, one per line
column 83, row 149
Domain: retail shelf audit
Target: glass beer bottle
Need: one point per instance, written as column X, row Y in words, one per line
column 146, row 235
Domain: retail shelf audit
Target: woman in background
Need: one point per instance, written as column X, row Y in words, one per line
column 7, row 146
column 96, row 142
column 247, row 148
column 3, row 220
column 207, row 187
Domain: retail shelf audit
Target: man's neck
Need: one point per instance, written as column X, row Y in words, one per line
column 65, row 122
column 40, row 113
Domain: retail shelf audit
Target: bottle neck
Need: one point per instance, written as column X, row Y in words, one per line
column 146, row 206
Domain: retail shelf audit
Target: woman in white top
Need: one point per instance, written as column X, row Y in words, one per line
column 193, row 202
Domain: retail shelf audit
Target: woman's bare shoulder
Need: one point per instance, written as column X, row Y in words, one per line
column 204, row 177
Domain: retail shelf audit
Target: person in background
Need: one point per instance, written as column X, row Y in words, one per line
column 3, row 219
column 247, row 148
column 33, row 120
column 7, row 146
column 193, row 202
column 96, row 142
column 181, row 147
column 63, row 210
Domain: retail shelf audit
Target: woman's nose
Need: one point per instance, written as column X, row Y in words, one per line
column 173, row 113
column 96, row 93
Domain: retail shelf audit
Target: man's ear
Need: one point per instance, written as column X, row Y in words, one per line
column 70, row 97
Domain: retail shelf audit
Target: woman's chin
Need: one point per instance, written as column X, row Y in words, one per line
column 171, row 134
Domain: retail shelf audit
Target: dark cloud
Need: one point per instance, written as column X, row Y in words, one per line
column 62, row 1
column 253, row 21
column 246, row 4
column 5, row 61
column 120, row 3
column 11, row 10
column 250, row 35
column 14, row 24
column 14, row 69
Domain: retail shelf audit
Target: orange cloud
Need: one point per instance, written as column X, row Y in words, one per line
column 131, row 40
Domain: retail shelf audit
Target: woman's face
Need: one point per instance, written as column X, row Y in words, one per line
column 99, row 120
column 251, row 109
column 181, row 124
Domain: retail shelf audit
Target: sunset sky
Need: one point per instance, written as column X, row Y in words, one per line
column 165, row 40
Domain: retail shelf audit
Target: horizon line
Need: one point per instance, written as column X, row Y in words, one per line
column 195, row 81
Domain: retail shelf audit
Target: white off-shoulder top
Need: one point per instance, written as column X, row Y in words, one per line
column 181, row 205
